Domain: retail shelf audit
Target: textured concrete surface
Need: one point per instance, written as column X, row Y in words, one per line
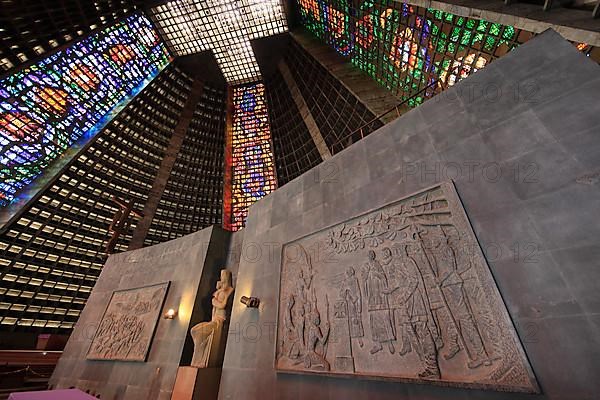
column 166, row 166
column 191, row 264
column 520, row 139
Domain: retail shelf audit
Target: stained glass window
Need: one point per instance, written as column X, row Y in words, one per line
column 406, row 48
column 253, row 170
column 70, row 95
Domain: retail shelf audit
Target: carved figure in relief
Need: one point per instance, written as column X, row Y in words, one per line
column 446, row 331
column 351, row 294
column 410, row 278
column 118, row 335
column 452, row 286
column 400, row 288
column 305, row 338
column 413, row 319
column 376, row 288
column 303, row 290
column 316, row 345
column 341, row 342
column 207, row 336
column 300, row 301
column 455, row 322
column 291, row 341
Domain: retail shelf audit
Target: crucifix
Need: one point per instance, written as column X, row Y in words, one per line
column 223, row 26
column 121, row 222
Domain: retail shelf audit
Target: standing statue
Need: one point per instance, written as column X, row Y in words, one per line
column 207, row 336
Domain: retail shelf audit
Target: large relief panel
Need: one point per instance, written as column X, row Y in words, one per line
column 400, row 293
column 127, row 326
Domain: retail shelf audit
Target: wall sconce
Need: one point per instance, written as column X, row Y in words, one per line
column 250, row 302
column 170, row 314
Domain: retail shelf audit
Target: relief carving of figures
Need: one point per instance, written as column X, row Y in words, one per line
column 411, row 281
column 445, row 332
column 442, row 258
column 350, row 293
column 316, row 344
column 208, row 336
column 347, row 323
column 376, row 290
column 127, row 326
column 305, row 337
column 413, row 319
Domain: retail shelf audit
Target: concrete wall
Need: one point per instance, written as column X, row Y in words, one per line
column 192, row 264
column 533, row 117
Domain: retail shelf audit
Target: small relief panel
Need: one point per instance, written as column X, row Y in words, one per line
column 127, row 326
column 401, row 293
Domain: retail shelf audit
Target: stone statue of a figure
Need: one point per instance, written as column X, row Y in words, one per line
column 207, row 336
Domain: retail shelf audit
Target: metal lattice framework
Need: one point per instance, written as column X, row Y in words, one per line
column 193, row 196
column 53, row 251
column 405, row 47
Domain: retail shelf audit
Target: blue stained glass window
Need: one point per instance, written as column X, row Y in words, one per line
column 70, row 95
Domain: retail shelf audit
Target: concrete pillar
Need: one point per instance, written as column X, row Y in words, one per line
column 375, row 97
column 309, row 120
column 166, row 166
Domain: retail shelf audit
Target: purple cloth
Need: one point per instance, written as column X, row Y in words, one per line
column 63, row 394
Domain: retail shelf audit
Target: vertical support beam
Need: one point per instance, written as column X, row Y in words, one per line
column 371, row 94
column 310, row 122
column 166, row 166
column 228, row 175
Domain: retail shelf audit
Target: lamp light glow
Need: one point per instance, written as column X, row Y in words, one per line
column 170, row 314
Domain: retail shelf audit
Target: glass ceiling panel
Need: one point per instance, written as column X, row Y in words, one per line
column 223, row 26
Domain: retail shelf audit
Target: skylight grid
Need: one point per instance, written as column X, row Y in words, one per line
column 179, row 21
column 223, row 26
column 237, row 62
column 265, row 17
